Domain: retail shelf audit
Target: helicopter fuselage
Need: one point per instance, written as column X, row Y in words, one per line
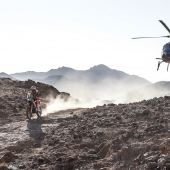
column 166, row 58
column 166, row 53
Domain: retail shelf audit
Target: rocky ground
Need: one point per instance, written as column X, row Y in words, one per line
column 134, row 136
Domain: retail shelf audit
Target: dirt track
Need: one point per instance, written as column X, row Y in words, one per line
column 20, row 136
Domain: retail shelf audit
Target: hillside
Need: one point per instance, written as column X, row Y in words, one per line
column 13, row 97
column 119, row 137
column 5, row 75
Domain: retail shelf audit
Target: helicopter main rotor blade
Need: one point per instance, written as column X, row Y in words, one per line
column 167, row 36
column 164, row 25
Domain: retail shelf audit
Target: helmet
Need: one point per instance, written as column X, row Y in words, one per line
column 33, row 88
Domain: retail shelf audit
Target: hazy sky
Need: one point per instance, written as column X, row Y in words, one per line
column 43, row 34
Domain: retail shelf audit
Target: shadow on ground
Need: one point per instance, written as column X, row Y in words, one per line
column 34, row 128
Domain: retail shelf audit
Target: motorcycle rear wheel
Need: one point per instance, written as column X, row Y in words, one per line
column 39, row 112
column 28, row 113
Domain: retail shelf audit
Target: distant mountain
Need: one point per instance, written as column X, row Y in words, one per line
column 104, row 72
column 33, row 75
column 162, row 84
column 5, row 75
column 97, row 73
column 94, row 74
column 60, row 71
column 101, row 72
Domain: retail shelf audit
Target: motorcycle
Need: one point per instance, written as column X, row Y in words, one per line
column 34, row 107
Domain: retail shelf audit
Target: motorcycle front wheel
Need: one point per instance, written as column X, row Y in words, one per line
column 28, row 113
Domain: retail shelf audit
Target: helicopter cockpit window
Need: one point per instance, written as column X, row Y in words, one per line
column 166, row 48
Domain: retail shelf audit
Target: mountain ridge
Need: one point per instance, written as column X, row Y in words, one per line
column 97, row 69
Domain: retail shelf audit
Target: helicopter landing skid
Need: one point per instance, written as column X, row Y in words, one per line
column 159, row 63
column 167, row 66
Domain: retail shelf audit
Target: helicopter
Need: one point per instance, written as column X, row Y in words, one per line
column 165, row 57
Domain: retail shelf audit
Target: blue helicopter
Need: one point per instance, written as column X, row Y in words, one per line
column 166, row 48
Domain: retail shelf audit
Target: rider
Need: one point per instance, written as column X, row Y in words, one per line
column 33, row 96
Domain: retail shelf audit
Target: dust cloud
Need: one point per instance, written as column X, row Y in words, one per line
column 87, row 94
column 59, row 104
